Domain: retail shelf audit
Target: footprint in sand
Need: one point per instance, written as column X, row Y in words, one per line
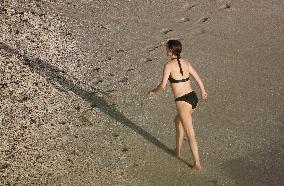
column 203, row 19
column 183, row 20
column 77, row 108
column 145, row 60
column 129, row 71
column 152, row 48
column 226, row 6
column 97, row 69
column 198, row 31
column 124, row 149
column 98, row 82
column 188, row 6
column 166, row 30
column 123, row 80
column 4, row 166
column 115, row 135
column 120, row 51
column 214, row 182
column 103, row 27
column 3, row 85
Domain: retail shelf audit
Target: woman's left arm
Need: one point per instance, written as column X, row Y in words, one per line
column 163, row 83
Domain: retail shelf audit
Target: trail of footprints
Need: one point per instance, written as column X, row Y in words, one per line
column 183, row 20
column 149, row 49
column 188, row 7
column 224, row 6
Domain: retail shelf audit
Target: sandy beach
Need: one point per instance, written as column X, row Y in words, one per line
column 73, row 78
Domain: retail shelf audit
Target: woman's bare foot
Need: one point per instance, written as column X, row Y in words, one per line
column 196, row 166
column 176, row 153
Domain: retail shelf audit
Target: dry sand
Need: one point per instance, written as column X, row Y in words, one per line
column 73, row 79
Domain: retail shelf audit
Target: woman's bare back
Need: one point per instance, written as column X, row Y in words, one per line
column 181, row 88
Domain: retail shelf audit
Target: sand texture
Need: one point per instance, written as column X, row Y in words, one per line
column 73, row 78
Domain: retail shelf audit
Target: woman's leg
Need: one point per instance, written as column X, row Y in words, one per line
column 185, row 111
column 179, row 135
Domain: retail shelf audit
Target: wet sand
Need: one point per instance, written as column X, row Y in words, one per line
column 73, row 80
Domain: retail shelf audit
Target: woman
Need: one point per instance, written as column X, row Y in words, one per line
column 177, row 71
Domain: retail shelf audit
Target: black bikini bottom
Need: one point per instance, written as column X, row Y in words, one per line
column 190, row 98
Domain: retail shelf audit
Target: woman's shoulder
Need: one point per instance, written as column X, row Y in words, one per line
column 169, row 63
column 186, row 61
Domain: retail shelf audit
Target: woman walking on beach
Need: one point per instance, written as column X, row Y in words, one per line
column 177, row 71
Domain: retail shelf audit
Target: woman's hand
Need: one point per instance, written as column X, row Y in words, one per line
column 204, row 95
column 158, row 88
column 150, row 93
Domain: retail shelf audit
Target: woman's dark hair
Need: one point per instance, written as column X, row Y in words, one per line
column 176, row 47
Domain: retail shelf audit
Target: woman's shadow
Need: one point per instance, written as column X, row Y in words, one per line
column 55, row 76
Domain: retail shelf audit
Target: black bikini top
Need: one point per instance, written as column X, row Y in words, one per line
column 172, row 80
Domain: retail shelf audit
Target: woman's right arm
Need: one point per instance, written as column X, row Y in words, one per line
column 193, row 72
column 162, row 85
